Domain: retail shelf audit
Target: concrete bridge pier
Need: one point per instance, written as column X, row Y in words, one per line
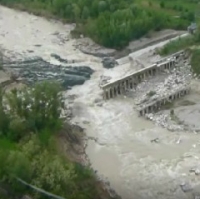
column 120, row 86
column 154, row 106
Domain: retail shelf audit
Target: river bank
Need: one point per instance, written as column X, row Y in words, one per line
column 92, row 20
column 87, row 46
column 26, row 58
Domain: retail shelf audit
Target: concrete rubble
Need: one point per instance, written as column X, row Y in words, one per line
column 162, row 86
column 164, row 120
column 195, row 170
column 104, row 80
column 186, row 187
column 174, row 122
column 154, row 89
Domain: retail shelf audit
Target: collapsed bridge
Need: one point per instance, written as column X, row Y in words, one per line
column 157, row 104
column 118, row 87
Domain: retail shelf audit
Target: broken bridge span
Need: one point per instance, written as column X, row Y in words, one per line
column 118, row 87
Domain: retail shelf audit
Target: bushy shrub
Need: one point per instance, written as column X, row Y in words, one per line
column 28, row 150
column 31, row 110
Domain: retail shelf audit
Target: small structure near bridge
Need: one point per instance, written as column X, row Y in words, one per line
column 192, row 28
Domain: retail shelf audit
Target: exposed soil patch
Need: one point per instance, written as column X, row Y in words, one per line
column 87, row 46
column 73, row 142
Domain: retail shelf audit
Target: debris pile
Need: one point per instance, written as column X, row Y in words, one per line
column 61, row 39
column 151, row 90
column 165, row 120
column 104, row 80
column 159, row 87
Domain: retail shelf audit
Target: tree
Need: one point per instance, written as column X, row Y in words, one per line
column 102, row 6
column 162, row 4
column 77, row 12
column 85, row 13
column 31, row 110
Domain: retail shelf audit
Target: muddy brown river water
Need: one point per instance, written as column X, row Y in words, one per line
column 124, row 154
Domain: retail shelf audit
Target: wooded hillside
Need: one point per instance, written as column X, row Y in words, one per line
column 113, row 23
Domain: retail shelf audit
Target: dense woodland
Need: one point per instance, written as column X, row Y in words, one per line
column 30, row 126
column 113, row 23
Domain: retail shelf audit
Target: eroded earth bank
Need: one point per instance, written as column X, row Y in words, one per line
column 120, row 147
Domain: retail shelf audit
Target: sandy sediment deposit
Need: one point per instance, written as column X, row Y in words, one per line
column 123, row 152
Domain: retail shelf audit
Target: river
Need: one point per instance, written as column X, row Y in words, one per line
column 124, row 154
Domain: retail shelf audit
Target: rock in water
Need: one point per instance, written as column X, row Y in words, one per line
column 36, row 69
column 72, row 80
column 109, row 62
column 186, row 187
column 59, row 58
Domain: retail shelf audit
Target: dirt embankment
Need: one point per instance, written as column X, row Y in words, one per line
column 21, row 37
column 88, row 47
column 73, row 142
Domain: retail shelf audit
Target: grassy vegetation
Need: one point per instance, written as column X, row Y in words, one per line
column 186, row 103
column 192, row 44
column 177, row 45
column 195, row 61
column 173, row 7
column 168, row 105
column 113, row 23
column 29, row 149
